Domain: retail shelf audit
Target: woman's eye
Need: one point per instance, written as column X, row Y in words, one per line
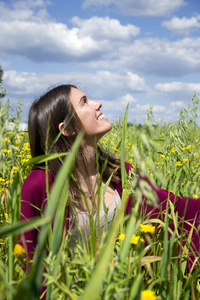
column 85, row 100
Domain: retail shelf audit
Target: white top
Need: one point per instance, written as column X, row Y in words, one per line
column 82, row 219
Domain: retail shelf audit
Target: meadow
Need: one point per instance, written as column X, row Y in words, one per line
column 134, row 259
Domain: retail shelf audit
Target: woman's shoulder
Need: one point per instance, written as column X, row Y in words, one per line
column 36, row 180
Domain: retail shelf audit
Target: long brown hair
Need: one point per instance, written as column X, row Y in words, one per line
column 45, row 114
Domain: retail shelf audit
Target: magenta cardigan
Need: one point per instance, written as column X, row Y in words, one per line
column 33, row 195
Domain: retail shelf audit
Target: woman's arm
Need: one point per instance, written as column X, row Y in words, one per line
column 33, row 202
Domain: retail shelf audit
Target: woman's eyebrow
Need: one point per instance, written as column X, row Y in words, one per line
column 83, row 98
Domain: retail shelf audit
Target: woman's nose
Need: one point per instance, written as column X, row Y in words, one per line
column 97, row 104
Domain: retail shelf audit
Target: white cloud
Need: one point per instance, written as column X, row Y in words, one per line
column 105, row 28
column 182, row 25
column 176, row 104
column 128, row 99
column 177, row 87
column 144, row 108
column 96, row 43
column 102, row 82
column 140, row 8
column 21, row 10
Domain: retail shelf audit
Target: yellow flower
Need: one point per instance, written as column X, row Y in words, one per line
column 132, row 154
column 194, row 196
column 115, row 149
column 5, row 151
column 148, row 295
column 102, row 142
column 122, row 236
column 18, row 250
column 162, row 156
column 179, row 164
column 9, row 132
column 6, row 216
column 185, row 159
column 135, row 239
column 24, row 160
column 14, row 169
column 147, row 228
column 1, row 179
column 131, row 161
column 188, row 147
column 173, row 150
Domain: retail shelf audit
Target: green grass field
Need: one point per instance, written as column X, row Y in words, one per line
column 132, row 260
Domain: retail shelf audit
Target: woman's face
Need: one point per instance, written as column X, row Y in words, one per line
column 93, row 121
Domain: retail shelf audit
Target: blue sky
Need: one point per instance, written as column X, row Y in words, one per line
column 141, row 52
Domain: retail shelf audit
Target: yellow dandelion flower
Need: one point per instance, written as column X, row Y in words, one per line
column 135, row 239
column 5, row 151
column 173, row 150
column 24, row 160
column 121, row 236
column 2, row 179
column 185, row 159
column 14, row 169
column 162, row 156
column 9, row 132
column 147, row 228
column 115, row 149
column 184, row 148
column 194, row 196
column 132, row 154
column 148, row 295
column 131, row 161
column 102, row 142
column 178, row 164
column 188, row 147
column 6, row 216
column 18, row 250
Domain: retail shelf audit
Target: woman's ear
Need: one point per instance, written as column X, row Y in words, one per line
column 64, row 130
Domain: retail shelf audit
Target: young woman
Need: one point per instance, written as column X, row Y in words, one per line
column 67, row 110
